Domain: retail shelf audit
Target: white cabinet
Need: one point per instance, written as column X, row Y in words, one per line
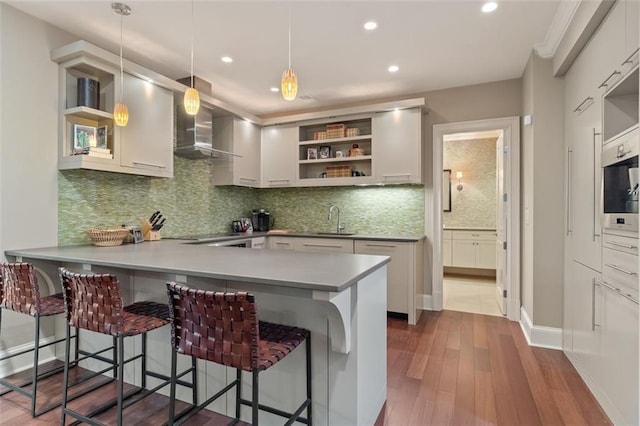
column 88, row 137
column 146, row 145
column 335, row 245
column 397, row 146
column 446, row 248
column 279, row 145
column 473, row 249
column 242, row 138
column 280, row 243
column 402, row 274
column 259, row 243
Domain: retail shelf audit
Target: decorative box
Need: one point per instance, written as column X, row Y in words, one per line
column 338, row 171
column 336, row 130
column 353, row 131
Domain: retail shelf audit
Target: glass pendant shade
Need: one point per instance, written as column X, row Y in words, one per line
column 121, row 114
column 191, row 101
column 289, row 85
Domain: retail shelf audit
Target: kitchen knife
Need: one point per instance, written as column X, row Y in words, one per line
column 156, row 220
column 153, row 216
column 158, row 226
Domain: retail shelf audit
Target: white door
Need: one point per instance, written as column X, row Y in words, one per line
column 501, row 224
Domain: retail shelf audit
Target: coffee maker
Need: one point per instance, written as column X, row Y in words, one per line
column 261, row 220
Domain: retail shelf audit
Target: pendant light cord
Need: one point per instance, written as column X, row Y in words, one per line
column 192, row 20
column 289, row 37
column 121, row 66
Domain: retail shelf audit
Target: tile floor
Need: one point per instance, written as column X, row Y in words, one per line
column 470, row 294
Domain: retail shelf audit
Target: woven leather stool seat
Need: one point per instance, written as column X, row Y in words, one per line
column 94, row 302
column 277, row 341
column 224, row 328
column 20, row 292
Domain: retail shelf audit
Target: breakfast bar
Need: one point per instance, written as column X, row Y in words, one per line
column 340, row 298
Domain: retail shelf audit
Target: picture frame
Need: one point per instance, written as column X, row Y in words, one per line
column 246, row 224
column 446, row 190
column 83, row 136
column 324, row 151
column 101, row 137
column 312, row 153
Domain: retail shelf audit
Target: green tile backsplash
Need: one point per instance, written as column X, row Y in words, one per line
column 192, row 205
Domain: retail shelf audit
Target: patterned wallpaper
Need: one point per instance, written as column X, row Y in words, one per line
column 475, row 205
column 192, row 205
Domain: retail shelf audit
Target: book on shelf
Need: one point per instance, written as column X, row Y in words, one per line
column 94, row 151
column 99, row 154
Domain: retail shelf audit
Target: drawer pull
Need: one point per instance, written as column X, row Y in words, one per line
column 629, row 60
column 617, row 268
column 282, row 244
column 381, row 245
column 579, row 107
column 140, row 163
column 604, row 83
column 273, row 181
column 248, row 179
column 321, row 245
column 617, row 290
column 627, row 246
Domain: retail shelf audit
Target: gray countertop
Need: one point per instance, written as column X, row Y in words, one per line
column 349, row 236
column 311, row 271
column 468, row 228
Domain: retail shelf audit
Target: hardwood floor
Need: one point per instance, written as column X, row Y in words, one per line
column 456, row 368
column 452, row 368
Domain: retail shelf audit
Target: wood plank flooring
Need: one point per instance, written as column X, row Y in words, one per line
column 456, row 368
column 452, row 368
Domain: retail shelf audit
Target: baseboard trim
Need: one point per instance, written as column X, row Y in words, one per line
column 538, row 335
column 25, row 361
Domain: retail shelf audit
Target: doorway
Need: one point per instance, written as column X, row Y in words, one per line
column 507, row 243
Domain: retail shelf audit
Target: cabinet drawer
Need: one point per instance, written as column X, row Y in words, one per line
column 281, row 243
column 620, row 243
column 620, row 267
column 474, row 235
column 323, row 245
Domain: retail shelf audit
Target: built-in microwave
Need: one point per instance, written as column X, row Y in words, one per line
column 620, row 185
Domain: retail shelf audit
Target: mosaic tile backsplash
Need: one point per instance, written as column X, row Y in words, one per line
column 192, row 205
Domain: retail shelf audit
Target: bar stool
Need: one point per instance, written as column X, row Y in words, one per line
column 20, row 292
column 224, row 328
column 94, row 302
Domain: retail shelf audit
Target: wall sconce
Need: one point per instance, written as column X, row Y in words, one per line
column 459, row 177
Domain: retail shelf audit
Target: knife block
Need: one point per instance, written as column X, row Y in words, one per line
column 148, row 233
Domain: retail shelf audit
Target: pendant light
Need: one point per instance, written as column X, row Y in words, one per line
column 289, row 82
column 191, row 96
column 120, row 111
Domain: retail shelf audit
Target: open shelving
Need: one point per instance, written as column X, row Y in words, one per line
column 620, row 107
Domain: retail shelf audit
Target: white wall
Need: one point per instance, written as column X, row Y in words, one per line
column 28, row 142
column 542, row 194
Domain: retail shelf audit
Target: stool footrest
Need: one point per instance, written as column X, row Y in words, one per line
column 292, row 416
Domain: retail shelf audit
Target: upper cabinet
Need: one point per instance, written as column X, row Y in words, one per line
column 398, row 146
column 89, row 80
column 279, row 148
column 242, row 139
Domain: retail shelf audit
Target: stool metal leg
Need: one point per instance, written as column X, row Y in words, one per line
column 238, row 392
column 115, row 357
column 254, row 401
column 194, row 380
column 120, row 379
column 36, row 353
column 144, row 361
column 172, row 386
column 308, row 349
column 65, row 378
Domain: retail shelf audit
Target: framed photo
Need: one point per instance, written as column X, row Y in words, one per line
column 312, row 153
column 324, row 151
column 246, row 224
column 83, row 136
column 101, row 137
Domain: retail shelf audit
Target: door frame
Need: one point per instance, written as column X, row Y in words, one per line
column 433, row 219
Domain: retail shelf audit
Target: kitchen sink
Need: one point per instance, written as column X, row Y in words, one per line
column 335, row 233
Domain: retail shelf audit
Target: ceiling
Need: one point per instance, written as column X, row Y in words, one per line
column 436, row 44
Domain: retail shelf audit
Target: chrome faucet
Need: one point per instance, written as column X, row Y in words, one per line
column 339, row 226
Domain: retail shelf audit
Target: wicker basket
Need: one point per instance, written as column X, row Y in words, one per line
column 105, row 237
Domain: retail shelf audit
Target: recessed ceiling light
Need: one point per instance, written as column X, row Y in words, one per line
column 394, row 68
column 371, row 25
column 274, row 89
column 227, row 59
column 489, row 6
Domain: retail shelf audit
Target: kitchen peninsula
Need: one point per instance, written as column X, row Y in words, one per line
column 340, row 298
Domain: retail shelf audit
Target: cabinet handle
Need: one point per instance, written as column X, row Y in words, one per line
column 617, row 268
column 381, row 245
column 627, row 246
column 579, row 107
column 628, row 60
column 596, row 205
column 407, row 176
column 604, row 83
column 617, row 290
column 141, row 163
column 569, row 192
column 321, row 245
column 279, row 180
column 247, row 179
column 594, row 283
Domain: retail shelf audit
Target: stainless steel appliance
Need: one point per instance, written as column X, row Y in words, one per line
column 620, row 182
column 261, row 220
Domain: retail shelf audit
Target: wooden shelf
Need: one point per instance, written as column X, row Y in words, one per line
column 337, row 160
column 336, row 140
column 88, row 113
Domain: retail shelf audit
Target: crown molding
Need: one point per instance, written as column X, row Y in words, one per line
column 562, row 19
